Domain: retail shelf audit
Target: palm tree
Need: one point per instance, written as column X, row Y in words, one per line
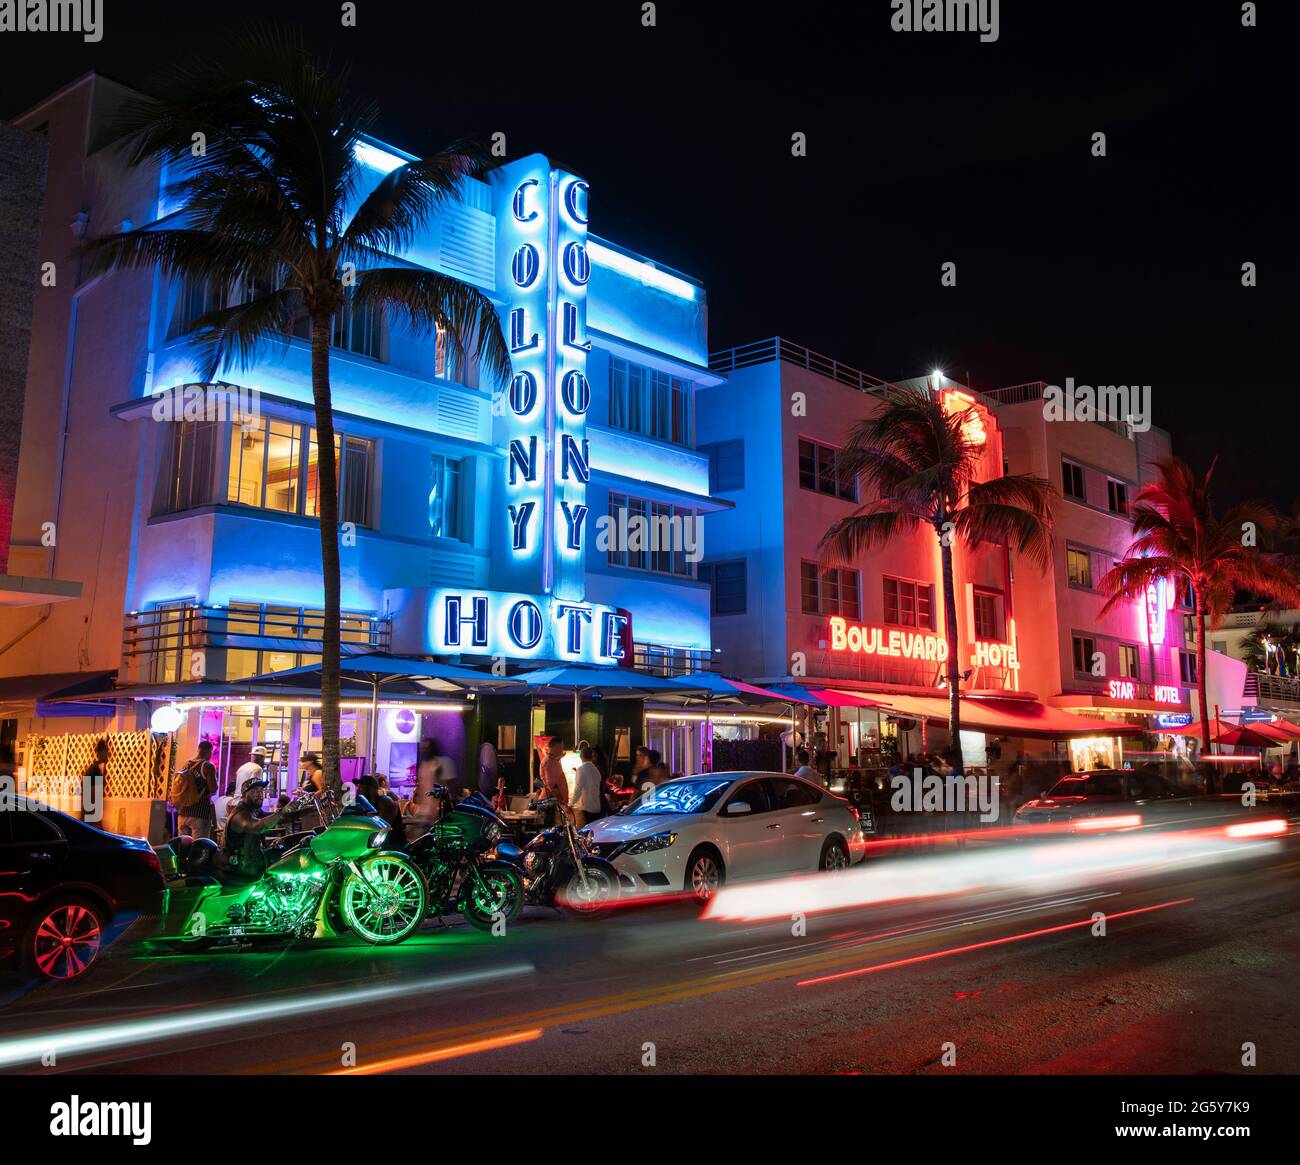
column 1177, row 535
column 268, row 207
column 919, row 462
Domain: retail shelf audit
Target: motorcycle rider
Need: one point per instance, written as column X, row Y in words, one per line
column 243, row 853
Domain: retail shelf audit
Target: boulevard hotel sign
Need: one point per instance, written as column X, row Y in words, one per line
column 539, row 513
column 921, row 646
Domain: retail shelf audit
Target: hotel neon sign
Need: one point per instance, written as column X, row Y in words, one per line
column 918, row 645
column 1128, row 690
column 478, row 622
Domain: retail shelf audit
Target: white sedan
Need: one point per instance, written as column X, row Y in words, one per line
column 695, row 833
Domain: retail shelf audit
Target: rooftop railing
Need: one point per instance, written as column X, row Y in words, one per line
column 776, row 348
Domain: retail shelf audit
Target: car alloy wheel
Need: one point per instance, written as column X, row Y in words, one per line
column 706, row 877
column 834, row 857
column 66, row 941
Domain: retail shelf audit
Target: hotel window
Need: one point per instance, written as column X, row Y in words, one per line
column 266, row 469
column 445, row 476
column 1078, row 567
column 1129, row 665
column 360, row 330
column 652, row 536
column 189, row 468
column 1116, row 496
column 353, row 457
column 1187, row 667
column 909, row 604
column 1072, row 481
column 1085, row 647
column 650, row 402
column 726, row 465
column 819, row 471
column 988, row 615
column 833, row 591
column 727, row 580
column 441, row 363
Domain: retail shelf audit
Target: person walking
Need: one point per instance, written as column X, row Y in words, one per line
column 641, row 779
column 191, row 793
column 586, row 789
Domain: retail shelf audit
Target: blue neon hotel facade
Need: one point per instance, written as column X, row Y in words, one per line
column 471, row 516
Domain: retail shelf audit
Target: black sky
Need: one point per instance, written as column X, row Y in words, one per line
column 922, row 148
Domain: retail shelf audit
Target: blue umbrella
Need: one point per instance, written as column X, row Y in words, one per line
column 576, row 678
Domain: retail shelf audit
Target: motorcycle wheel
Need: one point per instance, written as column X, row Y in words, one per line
column 602, row 888
column 495, row 892
column 388, row 904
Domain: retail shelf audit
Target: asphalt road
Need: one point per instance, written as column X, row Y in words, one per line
column 1192, row 966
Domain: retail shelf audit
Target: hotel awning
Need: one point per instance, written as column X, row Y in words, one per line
column 1003, row 717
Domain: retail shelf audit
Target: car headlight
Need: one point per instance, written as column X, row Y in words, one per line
column 378, row 838
column 645, row 845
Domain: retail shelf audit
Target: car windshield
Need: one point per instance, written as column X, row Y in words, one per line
column 680, row 797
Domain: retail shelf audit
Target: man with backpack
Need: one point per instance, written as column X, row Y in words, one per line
column 191, row 794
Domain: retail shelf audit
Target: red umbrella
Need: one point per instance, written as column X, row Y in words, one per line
column 1245, row 736
column 1233, row 734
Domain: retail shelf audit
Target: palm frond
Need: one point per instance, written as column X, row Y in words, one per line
column 235, row 336
column 872, row 525
column 429, row 300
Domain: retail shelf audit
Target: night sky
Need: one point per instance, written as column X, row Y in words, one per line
column 922, row 148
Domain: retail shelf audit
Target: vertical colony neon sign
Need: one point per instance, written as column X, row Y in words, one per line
column 539, row 532
column 549, row 456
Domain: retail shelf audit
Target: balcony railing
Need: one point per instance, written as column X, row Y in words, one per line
column 187, row 642
column 1270, row 688
column 1015, row 394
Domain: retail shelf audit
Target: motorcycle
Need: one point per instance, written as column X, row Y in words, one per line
column 454, row 857
column 560, row 870
column 322, row 883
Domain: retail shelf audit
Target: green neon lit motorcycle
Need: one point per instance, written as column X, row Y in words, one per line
column 315, row 885
column 456, row 857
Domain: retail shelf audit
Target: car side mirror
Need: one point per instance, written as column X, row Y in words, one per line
column 739, row 808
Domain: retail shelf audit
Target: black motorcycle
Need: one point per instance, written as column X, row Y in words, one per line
column 455, row 858
column 559, row 869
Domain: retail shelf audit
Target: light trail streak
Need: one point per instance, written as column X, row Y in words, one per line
column 435, row 1055
column 33, row 1050
column 992, row 942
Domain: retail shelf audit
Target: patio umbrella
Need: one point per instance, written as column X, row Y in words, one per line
column 708, row 688
column 573, row 679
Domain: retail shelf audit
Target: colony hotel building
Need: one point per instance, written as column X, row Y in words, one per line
column 865, row 640
column 185, row 550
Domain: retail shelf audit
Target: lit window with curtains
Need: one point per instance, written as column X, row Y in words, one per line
column 650, row 402
column 272, row 465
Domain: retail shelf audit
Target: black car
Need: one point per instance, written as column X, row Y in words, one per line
column 1142, row 794
column 61, row 881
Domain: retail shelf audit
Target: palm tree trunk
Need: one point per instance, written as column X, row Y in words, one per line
column 1199, row 606
column 327, row 505
column 950, row 635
